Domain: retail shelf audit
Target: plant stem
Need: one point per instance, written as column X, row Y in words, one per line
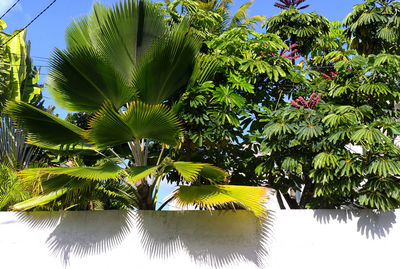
column 165, row 203
column 161, row 153
column 122, row 160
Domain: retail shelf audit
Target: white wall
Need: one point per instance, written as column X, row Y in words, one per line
column 195, row 239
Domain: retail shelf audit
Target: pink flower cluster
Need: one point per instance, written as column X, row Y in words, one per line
column 291, row 55
column 311, row 103
column 288, row 3
column 331, row 77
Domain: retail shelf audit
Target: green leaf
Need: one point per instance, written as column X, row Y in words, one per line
column 44, row 129
column 140, row 172
column 16, row 50
column 214, row 174
column 217, row 196
column 171, row 60
column 82, row 80
column 370, row 135
column 106, row 171
column 154, row 122
column 278, row 128
column 125, row 33
column 292, row 165
column 3, row 25
column 188, row 170
column 334, row 120
column 374, row 88
column 227, row 96
column 39, row 200
column 325, row 159
column 384, row 167
column 309, row 130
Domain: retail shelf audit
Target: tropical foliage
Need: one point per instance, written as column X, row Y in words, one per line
column 342, row 151
column 162, row 91
column 18, row 77
column 298, row 28
column 18, row 81
column 374, row 27
column 101, row 72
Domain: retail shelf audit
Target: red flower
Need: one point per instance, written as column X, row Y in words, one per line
column 288, row 3
column 326, row 76
column 295, row 57
column 303, row 102
column 316, row 100
column 311, row 99
column 295, row 104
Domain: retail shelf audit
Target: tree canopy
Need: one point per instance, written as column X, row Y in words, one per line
column 178, row 88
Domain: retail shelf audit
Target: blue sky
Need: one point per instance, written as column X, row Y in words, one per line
column 47, row 32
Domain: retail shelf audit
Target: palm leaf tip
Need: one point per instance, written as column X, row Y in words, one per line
column 103, row 172
column 39, row 200
column 223, row 196
column 43, row 129
column 173, row 59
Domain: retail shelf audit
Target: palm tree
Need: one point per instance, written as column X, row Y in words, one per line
column 122, row 63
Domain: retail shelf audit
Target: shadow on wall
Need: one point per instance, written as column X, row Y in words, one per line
column 371, row 223
column 80, row 234
column 219, row 239
column 216, row 240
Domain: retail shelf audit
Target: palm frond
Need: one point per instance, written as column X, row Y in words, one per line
column 168, row 66
column 125, row 32
column 45, row 130
column 39, row 200
column 140, row 172
column 81, row 80
column 77, row 33
column 218, row 196
column 240, row 15
column 106, row 171
column 13, row 149
column 204, row 69
column 214, row 174
column 154, row 122
column 189, row 171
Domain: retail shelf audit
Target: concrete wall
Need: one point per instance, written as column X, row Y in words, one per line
column 195, row 239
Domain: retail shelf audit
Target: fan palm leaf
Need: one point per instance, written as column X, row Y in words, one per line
column 106, row 171
column 81, row 80
column 154, row 122
column 137, row 173
column 214, row 196
column 171, row 60
column 122, row 33
column 43, row 129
